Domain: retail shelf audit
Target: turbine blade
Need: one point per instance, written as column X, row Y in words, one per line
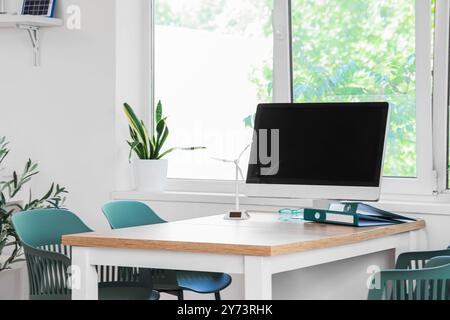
column 240, row 172
column 243, row 151
column 222, row 160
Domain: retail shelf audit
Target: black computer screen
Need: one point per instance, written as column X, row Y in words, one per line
column 329, row 144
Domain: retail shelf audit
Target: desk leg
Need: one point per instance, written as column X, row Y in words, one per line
column 258, row 278
column 84, row 275
column 418, row 240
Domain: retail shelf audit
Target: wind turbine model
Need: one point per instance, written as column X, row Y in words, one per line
column 237, row 214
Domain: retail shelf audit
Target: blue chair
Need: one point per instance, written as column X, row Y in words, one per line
column 48, row 261
column 127, row 214
column 420, row 275
column 432, row 282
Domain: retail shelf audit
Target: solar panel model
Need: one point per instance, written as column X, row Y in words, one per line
column 38, row 7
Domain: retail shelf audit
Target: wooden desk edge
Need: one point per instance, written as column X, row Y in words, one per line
column 369, row 234
column 93, row 241
column 178, row 246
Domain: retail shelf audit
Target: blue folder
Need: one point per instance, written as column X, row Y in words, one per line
column 355, row 214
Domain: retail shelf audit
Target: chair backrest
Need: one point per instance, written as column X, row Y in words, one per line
column 438, row 262
column 430, row 283
column 127, row 214
column 43, row 227
column 418, row 260
column 48, row 261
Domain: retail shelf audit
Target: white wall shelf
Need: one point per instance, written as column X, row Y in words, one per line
column 32, row 24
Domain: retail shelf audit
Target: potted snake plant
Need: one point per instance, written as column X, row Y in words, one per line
column 150, row 166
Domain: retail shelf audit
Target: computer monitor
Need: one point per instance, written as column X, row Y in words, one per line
column 329, row 151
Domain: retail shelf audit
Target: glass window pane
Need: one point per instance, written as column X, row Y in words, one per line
column 213, row 63
column 360, row 50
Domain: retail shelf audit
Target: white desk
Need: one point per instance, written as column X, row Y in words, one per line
column 257, row 248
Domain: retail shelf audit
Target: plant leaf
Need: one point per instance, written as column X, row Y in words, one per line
column 166, row 153
column 162, row 141
column 181, row 149
column 158, row 112
column 49, row 193
column 139, row 128
column 133, row 146
column 161, row 125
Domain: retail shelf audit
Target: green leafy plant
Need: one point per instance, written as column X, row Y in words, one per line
column 9, row 189
column 146, row 145
column 342, row 51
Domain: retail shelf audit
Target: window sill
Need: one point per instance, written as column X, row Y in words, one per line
column 425, row 205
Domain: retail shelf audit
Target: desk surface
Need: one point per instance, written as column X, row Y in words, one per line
column 262, row 235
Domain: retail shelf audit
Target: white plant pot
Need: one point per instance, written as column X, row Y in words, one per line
column 12, row 284
column 150, row 175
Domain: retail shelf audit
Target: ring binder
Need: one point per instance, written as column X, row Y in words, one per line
column 354, row 214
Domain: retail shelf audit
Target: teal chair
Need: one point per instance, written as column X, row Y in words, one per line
column 48, row 261
column 127, row 214
column 417, row 276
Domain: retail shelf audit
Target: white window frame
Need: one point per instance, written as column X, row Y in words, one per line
column 441, row 95
column 426, row 182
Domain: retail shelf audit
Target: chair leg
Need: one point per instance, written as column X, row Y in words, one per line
column 180, row 295
column 217, row 295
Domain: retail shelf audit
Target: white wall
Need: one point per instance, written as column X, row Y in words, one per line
column 63, row 114
column 132, row 77
column 67, row 115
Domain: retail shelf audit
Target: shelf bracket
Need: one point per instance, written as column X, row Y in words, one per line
column 33, row 32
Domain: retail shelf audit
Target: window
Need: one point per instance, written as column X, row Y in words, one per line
column 441, row 95
column 359, row 50
column 215, row 60
column 213, row 65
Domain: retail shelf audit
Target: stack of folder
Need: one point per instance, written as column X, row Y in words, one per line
column 354, row 214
